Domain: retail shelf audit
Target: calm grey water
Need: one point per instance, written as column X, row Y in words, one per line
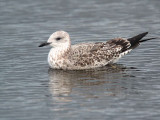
column 30, row 91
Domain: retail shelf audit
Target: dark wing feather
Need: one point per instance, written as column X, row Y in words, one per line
column 123, row 43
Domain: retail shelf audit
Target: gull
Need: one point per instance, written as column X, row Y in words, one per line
column 81, row 56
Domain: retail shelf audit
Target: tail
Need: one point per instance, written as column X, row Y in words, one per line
column 135, row 41
column 147, row 39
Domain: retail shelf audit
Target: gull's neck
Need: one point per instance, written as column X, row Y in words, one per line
column 60, row 52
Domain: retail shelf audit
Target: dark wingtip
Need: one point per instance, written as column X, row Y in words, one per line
column 136, row 39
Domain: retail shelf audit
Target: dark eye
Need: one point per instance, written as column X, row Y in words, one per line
column 58, row 38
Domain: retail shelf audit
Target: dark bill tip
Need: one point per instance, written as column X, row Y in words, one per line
column 44, row 44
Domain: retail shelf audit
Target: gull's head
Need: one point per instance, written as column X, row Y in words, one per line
column 57, row 39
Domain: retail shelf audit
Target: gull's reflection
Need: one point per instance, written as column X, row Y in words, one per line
column 110, row 80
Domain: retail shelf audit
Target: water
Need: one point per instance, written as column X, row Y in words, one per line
column 30, row 91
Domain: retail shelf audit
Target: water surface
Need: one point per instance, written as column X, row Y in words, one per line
column 29, row 90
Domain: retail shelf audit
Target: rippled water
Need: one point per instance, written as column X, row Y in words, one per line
column 30, row 90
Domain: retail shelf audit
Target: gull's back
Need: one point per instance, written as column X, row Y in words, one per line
column 91, row 55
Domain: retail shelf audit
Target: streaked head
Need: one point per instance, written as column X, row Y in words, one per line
column 57, row 39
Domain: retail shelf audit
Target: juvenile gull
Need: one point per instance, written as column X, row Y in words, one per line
column 63, row 55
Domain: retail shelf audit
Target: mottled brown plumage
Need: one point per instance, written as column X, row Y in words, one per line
column 97, row 54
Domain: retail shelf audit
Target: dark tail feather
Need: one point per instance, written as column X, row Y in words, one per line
column 136, row 39
column 147, row 39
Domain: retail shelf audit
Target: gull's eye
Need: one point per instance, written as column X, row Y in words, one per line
column 58, row 38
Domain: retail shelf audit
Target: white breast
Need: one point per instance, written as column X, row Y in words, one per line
column 56, row 58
